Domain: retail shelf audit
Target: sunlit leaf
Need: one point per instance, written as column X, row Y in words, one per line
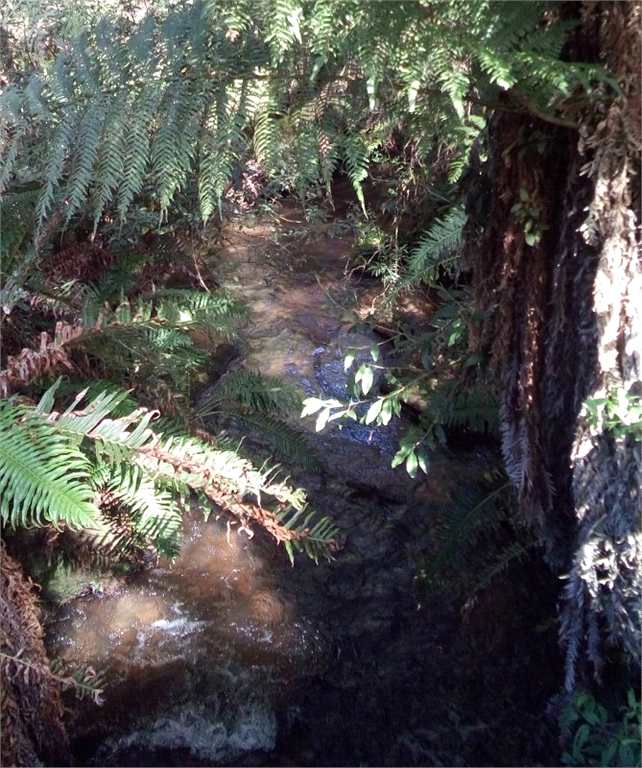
column 373, row 411
column 412, row 464
column 311, row 405
column 386, row 411
column 322, row 419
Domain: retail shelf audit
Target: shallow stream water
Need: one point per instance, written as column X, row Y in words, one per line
column 230, row 656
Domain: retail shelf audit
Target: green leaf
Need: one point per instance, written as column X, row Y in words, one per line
column 386, row 411
column 581, row 737
column 311, row 405
column 365, row 377
column 373, row 411
column 454, row 337
column 322, row 419
column 348, row 360
column 475, row 359
column 400, row 456
column 412, row 464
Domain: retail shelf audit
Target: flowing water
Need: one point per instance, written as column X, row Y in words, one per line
column 229, row 656
column 197, row 655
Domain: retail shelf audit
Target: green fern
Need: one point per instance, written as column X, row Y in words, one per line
column 46, row 476
column 284, row 442
column 181, row 89
column 251, row 390
column 475, row 508
column 438, row 249
column 473, row 408
column 43, row 476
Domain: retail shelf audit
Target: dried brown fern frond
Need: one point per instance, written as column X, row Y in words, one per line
column 84, row 261
column 47, row 360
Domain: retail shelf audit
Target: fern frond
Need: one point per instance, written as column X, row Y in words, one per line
column 267, row 136
column 474, row 507
column 174, row 143
column 288, row 444
column 499, row 563
column 152, row 512
column 43, row 476
column 474, row 408
column 60, row 148
column 110, row 158
column 356, row 158
column 30, row 363
column 261, row 394
column 90, row 132
column 137, row 141
column 17, row 219
column 437, row 247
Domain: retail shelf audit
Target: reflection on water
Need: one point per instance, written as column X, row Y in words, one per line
column 196, row 655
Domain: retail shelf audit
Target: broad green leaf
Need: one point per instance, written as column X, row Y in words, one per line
column 412, row 464
column 386, row 411
column 365, row 377
column 311, row 405
column 400, row 456
column 322, row 419
column 373, row 411
column 474, row 359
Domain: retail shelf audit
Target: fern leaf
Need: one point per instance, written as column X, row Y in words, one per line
column 356, row 160
column 288, row 444
column 85, row 156
column 43, row 477
column 437, row 248
column 152, row 512
column 137, row 140
column 259, row 393
column 59, row 150
column 109, row 163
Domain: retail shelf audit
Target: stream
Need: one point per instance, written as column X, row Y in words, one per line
column 231, row 656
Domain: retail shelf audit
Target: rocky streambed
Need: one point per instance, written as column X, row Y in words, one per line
column 231, row 656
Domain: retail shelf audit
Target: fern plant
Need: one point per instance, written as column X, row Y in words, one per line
column 57, row 468
column 185, row 91
column 480, row 510
column 244, row 403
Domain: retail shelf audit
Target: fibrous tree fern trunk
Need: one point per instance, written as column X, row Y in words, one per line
column 32, row 728
column 559, row 266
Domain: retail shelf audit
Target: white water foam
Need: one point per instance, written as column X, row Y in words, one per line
column 252, row 728
column 180, row 626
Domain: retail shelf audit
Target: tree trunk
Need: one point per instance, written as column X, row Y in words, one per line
column 32, row 729
column 558, row 270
